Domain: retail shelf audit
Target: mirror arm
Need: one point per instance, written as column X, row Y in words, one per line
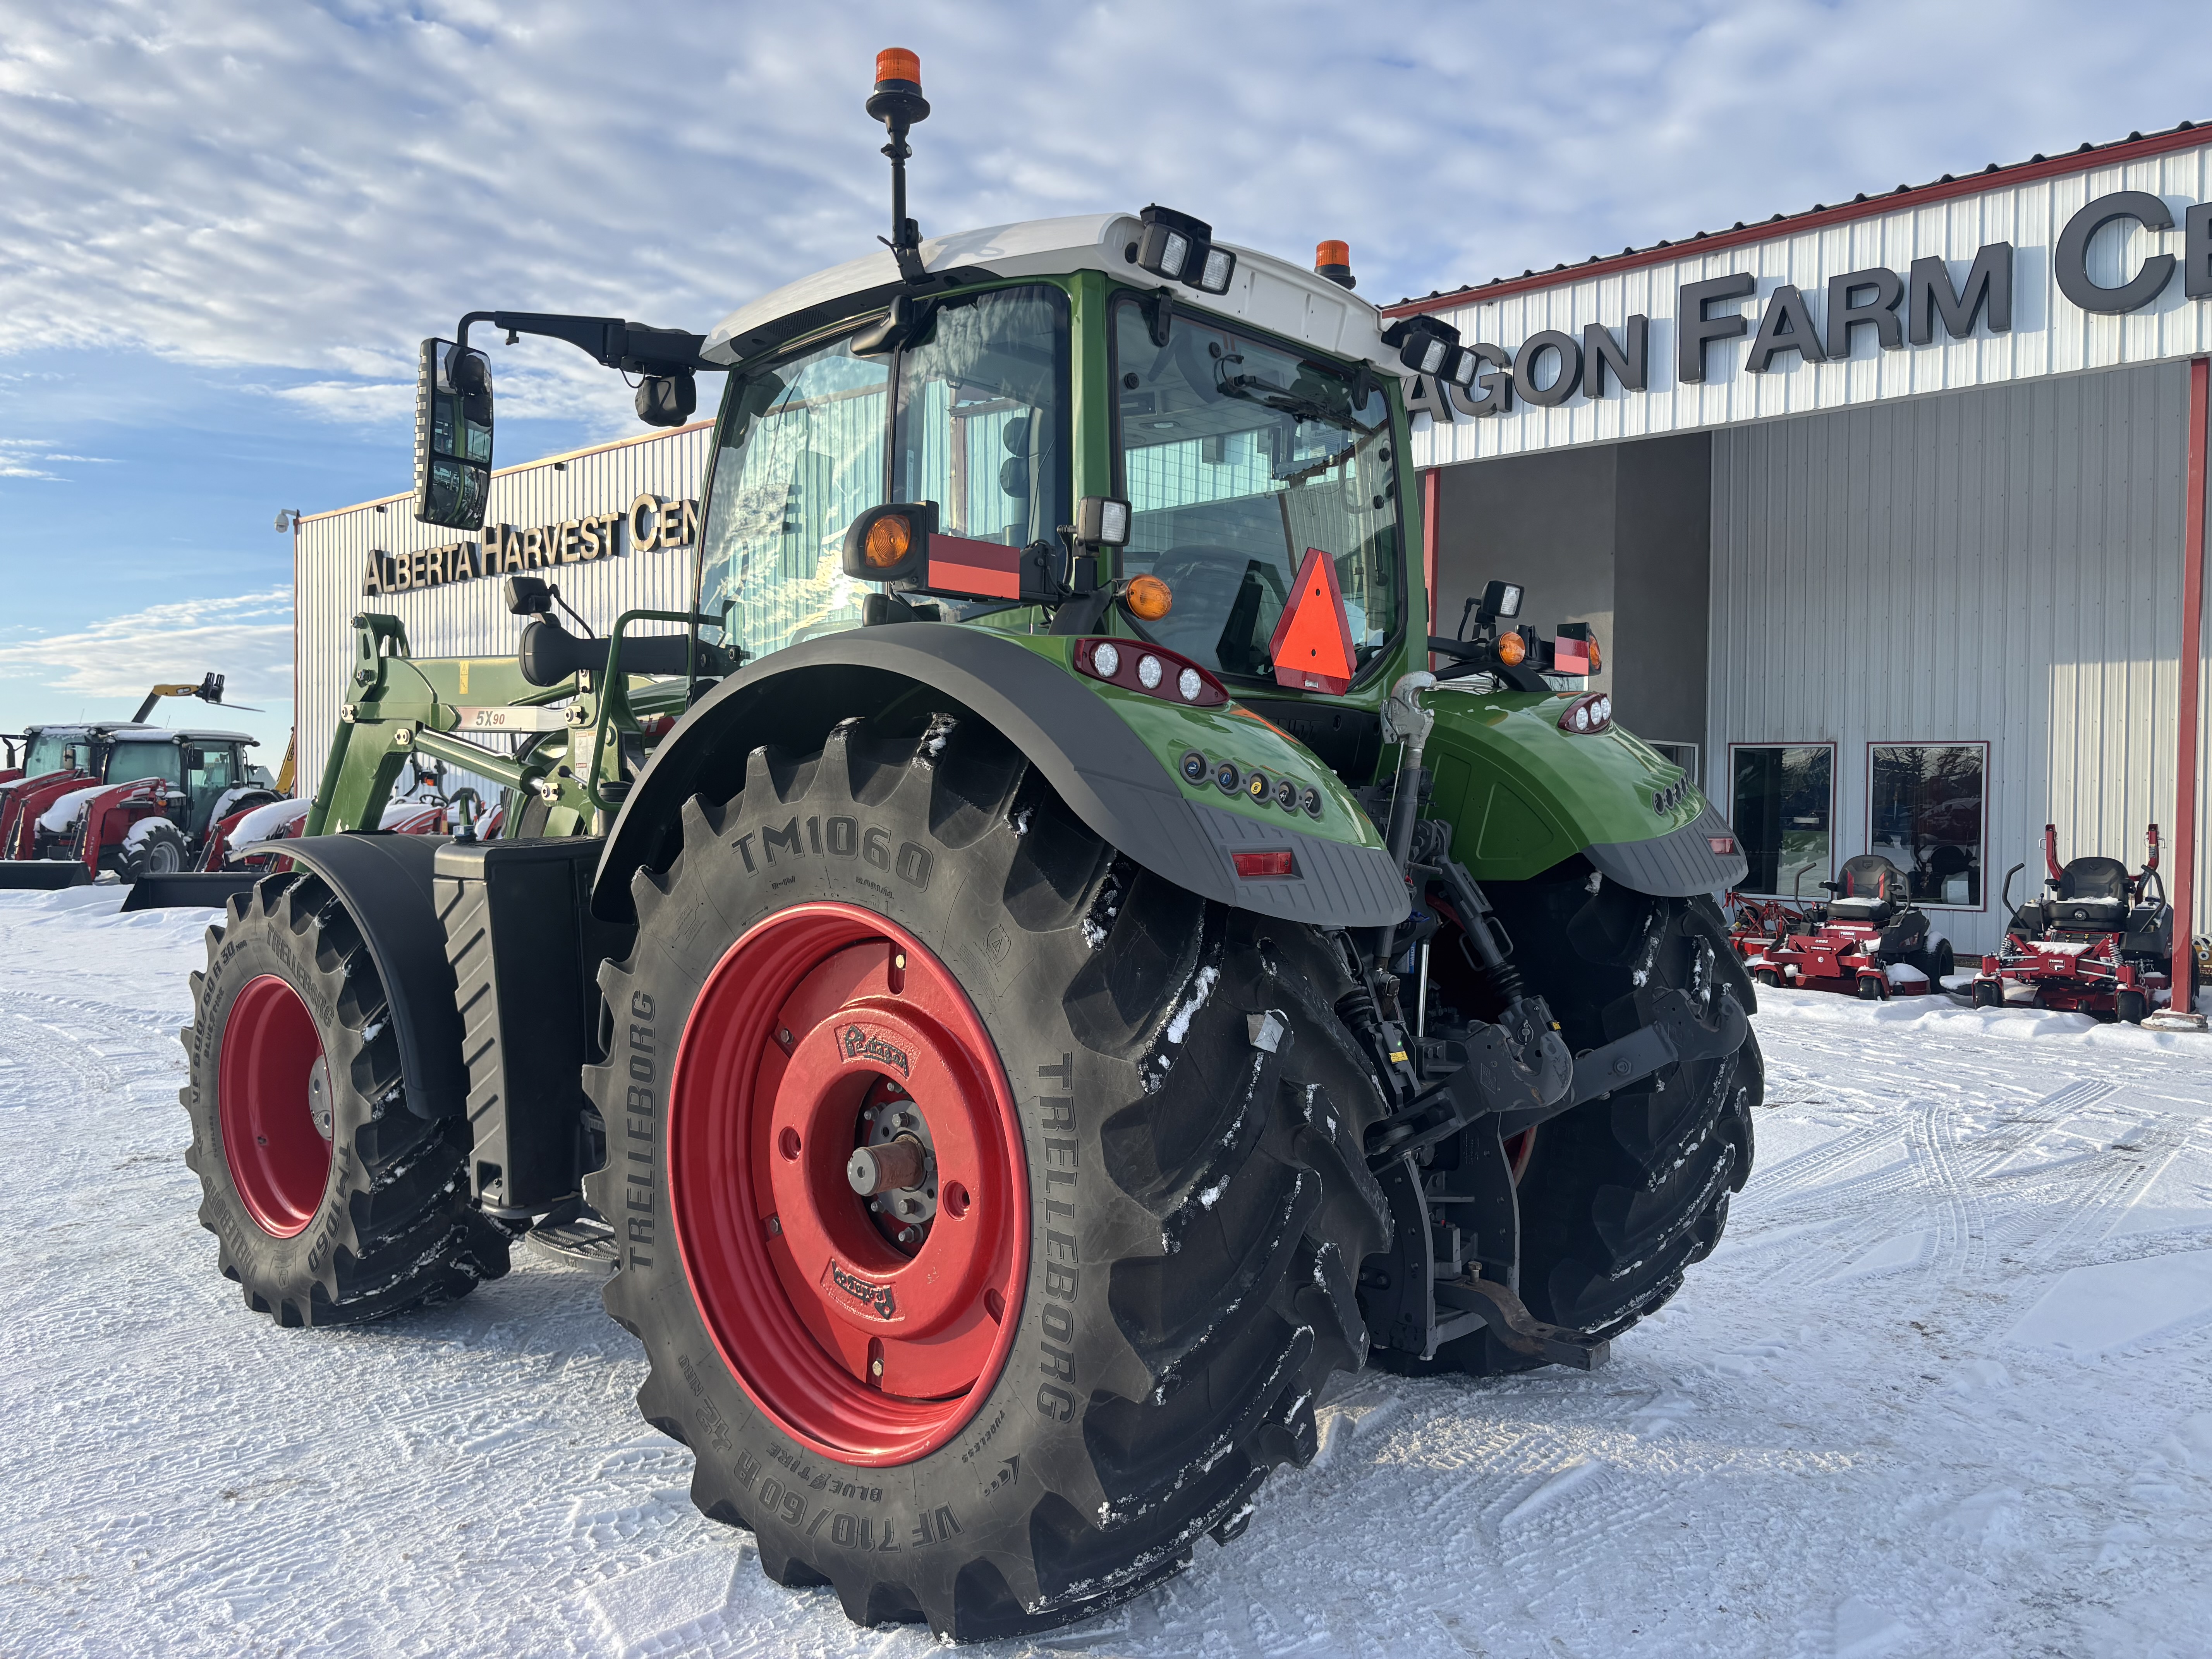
column 610, row 341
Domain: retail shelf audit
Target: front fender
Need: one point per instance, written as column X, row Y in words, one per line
column 1521, row 795
column 386, row 882
column 1121, row 786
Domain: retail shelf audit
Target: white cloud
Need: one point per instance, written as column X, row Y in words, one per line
column 314, row 188
column 246, row 637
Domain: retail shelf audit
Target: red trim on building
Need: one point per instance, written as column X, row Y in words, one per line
column 2020, row 173
column 2193, row 651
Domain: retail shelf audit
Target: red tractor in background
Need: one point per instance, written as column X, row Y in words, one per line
column 1870, row 940
column 124, row 796
column 2098, row 942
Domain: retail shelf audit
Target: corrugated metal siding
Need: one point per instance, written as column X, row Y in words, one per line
column 2001, row 565
column 2050, row 335
column 470, row 618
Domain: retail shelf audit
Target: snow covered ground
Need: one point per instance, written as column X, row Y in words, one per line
column 1941, row 1390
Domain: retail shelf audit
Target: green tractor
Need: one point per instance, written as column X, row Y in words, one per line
column 1033, row 973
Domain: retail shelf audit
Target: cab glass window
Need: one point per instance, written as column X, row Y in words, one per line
column 210, row 771
column 802, row 454
column 54, row 751
column 131, row 762
column 983, row 419
column 1237, row 455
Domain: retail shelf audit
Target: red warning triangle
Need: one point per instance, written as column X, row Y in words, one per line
column 1312, row 642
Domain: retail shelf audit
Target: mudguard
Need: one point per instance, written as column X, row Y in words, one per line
column 384, row 880
column 1116, row 784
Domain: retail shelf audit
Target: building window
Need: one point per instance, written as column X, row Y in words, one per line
column 1785, row 799
column 1925, row 811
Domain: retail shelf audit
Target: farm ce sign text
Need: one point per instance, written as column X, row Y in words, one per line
column 1901, row 310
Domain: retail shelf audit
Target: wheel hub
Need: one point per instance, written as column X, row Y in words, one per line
column 273, row 1106
column 847, row 1182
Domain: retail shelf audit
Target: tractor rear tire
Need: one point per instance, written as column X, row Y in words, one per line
column 1147, row 1203
column 155, row 846
column 330, row 1200
column 1623, row 1194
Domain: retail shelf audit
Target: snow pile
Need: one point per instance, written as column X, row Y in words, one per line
column 1941, row 1389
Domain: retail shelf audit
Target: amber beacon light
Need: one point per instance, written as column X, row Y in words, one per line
column 1333, row 261
column 898, row 70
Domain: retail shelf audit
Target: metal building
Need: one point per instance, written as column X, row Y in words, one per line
column 1890, row 513
column 614, row 527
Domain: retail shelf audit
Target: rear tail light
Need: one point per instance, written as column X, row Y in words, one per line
column 1255, row 866
column 1725, row 845
column 1148, row 669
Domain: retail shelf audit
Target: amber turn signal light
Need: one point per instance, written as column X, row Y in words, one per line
column 1149, row 598
column 1512, row 649
column 889, row 539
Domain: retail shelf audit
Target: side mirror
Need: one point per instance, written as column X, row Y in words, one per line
column 453, row 435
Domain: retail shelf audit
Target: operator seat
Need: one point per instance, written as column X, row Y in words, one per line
column 2091, row 896
column 1873, row 890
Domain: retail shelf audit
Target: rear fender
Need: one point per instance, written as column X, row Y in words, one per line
column 386, row 882
column 1114, row 769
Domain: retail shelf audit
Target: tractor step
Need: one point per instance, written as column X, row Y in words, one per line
column 210, row 890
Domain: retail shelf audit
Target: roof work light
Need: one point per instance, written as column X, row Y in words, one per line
column 1180, row 248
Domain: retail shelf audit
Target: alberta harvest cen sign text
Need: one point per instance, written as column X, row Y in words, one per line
column 650, row 522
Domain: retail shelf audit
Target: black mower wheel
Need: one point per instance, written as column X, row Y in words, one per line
column 1132, row 1132
column 155, row 846
column 331, row 1201
column 1987, row 994
column 1768, row 978
column 1872, row 988
column 2130, row 1007
column 1620, row 1196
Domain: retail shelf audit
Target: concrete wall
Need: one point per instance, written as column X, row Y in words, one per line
column 1616, row 536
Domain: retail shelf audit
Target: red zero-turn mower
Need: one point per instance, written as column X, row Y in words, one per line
column 2098, row 942
column 1869, row 940
column 1756, row 926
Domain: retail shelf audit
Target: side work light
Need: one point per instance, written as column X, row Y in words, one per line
column 1101, row 521
column 1427, row 346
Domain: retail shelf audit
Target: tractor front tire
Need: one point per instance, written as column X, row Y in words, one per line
column 1017, row 1389
column 330, row 1200
column 1622, row 1195
column 154, row 847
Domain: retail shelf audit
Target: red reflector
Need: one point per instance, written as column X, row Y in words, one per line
column 1250, row 867
column 1722, row 843
column 1569, row 657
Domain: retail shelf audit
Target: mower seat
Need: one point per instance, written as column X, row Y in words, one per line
column 1873, row 890
column 2091, row 896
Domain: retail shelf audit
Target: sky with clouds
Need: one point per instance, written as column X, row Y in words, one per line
column 224, row 224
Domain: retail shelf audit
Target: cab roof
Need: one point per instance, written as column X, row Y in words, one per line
column 1264, row 292
column 139, row 732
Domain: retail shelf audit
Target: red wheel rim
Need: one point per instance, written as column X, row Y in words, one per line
column 863, row 1350
column 279, row 1160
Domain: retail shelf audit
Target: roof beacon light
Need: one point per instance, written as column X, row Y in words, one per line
column 1333, row 261
column 897, row 102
